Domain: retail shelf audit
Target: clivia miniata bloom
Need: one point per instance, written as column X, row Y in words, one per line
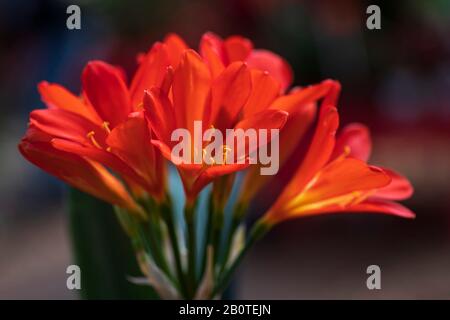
column 216, row 103
column 104, row 128
column 329, row 160
column 361, row 187
column 115, row 140
column 219, row 53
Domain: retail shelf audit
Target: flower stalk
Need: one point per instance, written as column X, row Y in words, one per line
column 166, row 213
column 257, row 232
column 189, row 214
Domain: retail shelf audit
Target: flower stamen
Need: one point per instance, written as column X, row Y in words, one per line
column 90, row 136
column 105, row 126
column 226, row 150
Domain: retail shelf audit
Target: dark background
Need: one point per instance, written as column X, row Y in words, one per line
column 396, row 80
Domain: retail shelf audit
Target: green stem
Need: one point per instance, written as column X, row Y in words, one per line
column 151, row 236
column 220, row 195
column 209, row 235
column 158, row 255
column 217, row 232
column 257, row 232
column 192, row 249
column 238, row 214
column 214, row 226
column 171, row 228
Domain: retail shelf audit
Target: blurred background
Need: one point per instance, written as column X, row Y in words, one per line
column 396, row 80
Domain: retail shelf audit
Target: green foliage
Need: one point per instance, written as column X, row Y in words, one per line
column 103, row 251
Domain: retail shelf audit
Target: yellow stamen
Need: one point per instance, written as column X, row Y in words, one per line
column 212, row 161
column 106, row 127
column 226, row 150
column 91, row 135
column 344, row 153
column 347, row 150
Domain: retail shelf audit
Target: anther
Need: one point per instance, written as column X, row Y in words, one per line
column 91, row 135
column 106, row 126
column 226, row 150
column 347, row 150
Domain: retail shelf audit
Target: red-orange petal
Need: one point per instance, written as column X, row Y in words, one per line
column 266, row 120
column 318, row 154
column 167, row 153
column 265, row 89
column 104, row 157
column 86, row 175
column 301, row 106
column 367, row 206
column 237, row 48
column 344, row 176
column 66, row 125
column 300, row 97
column 380, row 206
column 106, row 91
column 356, row 137
column 56, row 96
column 208, row 175
column 290, row 136
column 333, row 93
column 229, row 93
column 190, row 88
column 340, row 185
column 175, row 48
column 150, row 73
column 399, row 188
column 131, row 142
column 211, row 49
column 275, row 65
column 159, row 112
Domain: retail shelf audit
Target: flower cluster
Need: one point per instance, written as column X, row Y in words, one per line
column 114, row 141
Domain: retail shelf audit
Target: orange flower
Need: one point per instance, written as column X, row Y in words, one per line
column 106, row 125
column 193, row 94
column 301, row 104
column 103, row 128
column 334, row 177
column 220, row 53
column 270, row 76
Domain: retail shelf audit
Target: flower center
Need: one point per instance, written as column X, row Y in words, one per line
column 105, row 126
column 91, row 136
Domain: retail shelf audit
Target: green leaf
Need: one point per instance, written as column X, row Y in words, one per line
column 103, row 251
